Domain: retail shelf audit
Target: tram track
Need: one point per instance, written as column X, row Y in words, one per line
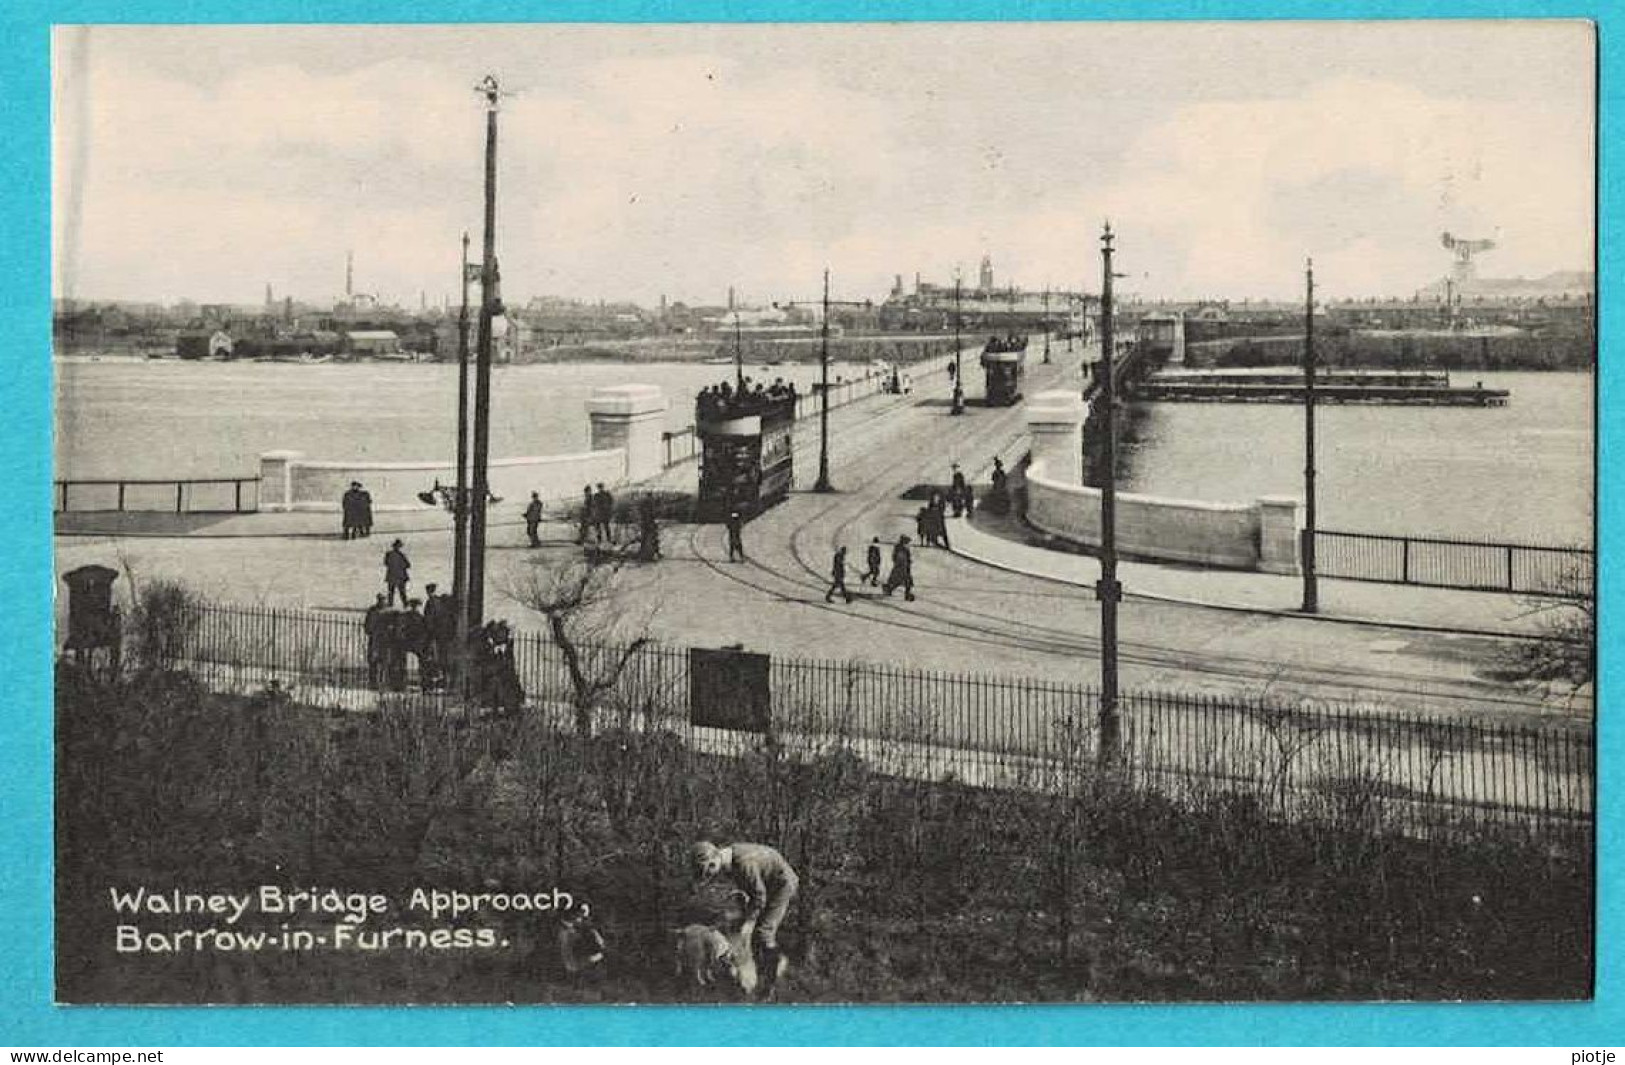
column 799, row 577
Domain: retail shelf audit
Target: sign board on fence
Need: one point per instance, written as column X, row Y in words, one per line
column 729, row 689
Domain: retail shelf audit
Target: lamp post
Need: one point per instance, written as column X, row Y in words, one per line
column 959, row 371
column 1108, row 590
column 823, row 483
column 459, row 546
column 1046, row 327
column 490, row 307
column 1311, row 592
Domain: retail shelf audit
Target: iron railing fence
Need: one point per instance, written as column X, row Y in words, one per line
column 195, row 495
column 1446, row 563
column 1418, row 772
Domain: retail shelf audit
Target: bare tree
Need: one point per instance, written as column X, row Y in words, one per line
column 583, row 604
column 1564, row 654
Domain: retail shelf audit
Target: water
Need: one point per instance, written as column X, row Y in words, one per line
column 1519, row 472
column 169, row 419
column 1522, row 472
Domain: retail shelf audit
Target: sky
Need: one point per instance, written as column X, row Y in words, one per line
column 638, row 161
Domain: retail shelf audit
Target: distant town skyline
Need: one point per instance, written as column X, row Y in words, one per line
column 202, row 163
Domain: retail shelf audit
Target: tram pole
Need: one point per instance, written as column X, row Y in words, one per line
column 1107, row 590
column 1046, row 327
column 459, row 548
column 959, row 369
column 1311, row 590
column 490, row 304
column 822, row 484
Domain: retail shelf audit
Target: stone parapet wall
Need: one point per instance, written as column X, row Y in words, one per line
column 395, row 486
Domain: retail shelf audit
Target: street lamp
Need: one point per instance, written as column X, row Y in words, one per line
column 823, row 483
column 1108, row 590
column 959, row 371
column 490, row 307
column 1311, row 591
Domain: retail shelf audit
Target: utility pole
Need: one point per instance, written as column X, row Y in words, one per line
column 1311, row 592
column 959, row 370
column 739, row 352
column 490, row 307
column 822, row 484
column 1108, row 591
column 459, row 547
column 1046, row 327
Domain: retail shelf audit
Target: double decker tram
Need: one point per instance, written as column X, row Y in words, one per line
column 746, row 450
column 1003, row 361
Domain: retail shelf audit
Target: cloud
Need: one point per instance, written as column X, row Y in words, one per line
column 755, row 161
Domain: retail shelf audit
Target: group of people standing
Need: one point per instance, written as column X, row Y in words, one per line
column 426, row 629
column 356, row 508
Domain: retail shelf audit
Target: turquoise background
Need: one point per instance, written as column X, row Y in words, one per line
column 27, row 1017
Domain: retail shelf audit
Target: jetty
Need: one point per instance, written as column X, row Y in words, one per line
column 1389, row 388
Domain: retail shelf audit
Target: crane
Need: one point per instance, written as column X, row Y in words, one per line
column 1465, row 250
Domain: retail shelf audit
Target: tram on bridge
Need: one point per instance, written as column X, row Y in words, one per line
column 1158, row 336
column 1003, row 363
column 746, row 457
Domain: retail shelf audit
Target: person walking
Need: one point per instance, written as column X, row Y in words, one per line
column 769, row 884
column 837, row 576
column 584, row 519
column 736, row 537
column 939, row 522
column 603, row 506
column 364, row 512
column 902, row 570
column 871, row 560
column 958, row 491
column 533, row 519
column 397, row 568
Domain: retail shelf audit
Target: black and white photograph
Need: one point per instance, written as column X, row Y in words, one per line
column 772, row 513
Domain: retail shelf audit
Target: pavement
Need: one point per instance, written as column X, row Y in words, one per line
column 1008, row 545
column 998, row 603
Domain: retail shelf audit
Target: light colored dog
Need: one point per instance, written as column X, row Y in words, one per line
column 704, row 955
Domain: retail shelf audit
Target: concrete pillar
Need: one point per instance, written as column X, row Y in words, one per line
column 1055, row 423
column 630, row 417
column 1280, row 521
column 276, row 479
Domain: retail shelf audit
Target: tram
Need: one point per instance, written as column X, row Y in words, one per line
column 1158, row 335
column 1003, row 362
column 746, row 451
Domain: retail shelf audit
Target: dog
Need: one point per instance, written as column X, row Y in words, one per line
column 579, row 944
column 703, row 955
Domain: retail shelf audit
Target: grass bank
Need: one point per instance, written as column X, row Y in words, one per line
column 913, row 890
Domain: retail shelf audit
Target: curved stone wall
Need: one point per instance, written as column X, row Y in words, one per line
column 1262, row 535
